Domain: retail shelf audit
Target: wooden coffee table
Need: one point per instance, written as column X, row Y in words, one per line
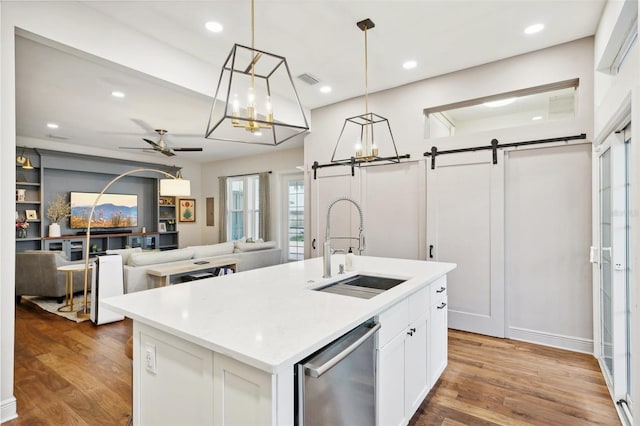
column 161, row 275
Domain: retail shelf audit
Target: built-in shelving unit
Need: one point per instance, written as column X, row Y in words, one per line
column 74, row 245
column 29, row 199
column 66, row 172
column 167, row 223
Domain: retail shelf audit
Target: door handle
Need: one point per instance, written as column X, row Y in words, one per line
column 431, row 251
column 313, row 244
column 442, row 305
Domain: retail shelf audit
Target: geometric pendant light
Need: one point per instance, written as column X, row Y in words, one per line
column 256, row 101
column 367, row 137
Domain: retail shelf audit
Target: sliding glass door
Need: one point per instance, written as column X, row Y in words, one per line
column 614, row 258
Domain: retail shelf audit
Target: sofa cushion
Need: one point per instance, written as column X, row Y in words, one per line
column 211, row 250
column 154, row 257
column 241, row 247
column 125, row 253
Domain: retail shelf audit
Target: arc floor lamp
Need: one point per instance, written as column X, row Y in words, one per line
column 171, row 186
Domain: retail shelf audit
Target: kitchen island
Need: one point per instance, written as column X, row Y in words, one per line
column 222, row 350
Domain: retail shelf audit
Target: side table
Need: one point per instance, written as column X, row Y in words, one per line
column 68, row 284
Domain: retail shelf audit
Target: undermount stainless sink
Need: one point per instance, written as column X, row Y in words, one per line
column 362, row 286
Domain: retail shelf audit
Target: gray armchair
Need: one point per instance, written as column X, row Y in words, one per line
column 37, row 274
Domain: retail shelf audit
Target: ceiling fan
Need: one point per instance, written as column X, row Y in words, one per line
column 161, row 146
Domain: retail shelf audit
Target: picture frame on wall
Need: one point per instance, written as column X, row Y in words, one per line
column 31, row 214
column 187, row 210
column 162, row 227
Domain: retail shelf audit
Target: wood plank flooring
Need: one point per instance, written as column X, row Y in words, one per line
column 77, row 374
column 491, row 381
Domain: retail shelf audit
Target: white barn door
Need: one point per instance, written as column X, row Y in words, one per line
column 465, row 225
column 394, row 210
column 330, row 184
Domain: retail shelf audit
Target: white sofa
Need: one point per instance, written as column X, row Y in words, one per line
column 250, row 256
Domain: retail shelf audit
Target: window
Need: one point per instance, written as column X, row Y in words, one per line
column 295, row 219
column 243, row 207
column 530, row 106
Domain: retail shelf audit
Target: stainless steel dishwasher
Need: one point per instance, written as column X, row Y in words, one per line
column 337, row 384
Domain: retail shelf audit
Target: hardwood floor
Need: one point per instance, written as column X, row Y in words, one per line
column 491, row 381
column 77, row 374
column 68, row 373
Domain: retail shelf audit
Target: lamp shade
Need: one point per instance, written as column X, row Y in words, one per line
column 256, row 101
column 175, row 187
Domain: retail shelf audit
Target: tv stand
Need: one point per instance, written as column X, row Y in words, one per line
column 74, row 246
column 105, row 231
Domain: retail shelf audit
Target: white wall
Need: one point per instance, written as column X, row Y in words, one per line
column 613, row 95
column 279, row 162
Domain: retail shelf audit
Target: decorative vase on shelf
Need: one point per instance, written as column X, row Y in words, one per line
column 54, row 230
column 21, row 233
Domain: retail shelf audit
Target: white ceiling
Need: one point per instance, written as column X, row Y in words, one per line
column 318, row 37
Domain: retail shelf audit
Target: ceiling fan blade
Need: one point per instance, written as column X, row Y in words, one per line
column 153, row 144
column 167, row 152
column 188, row 149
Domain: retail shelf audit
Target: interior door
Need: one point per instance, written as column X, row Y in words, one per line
column 395, row 222
column 332, row 184
column 465, row 225
column 614, row 285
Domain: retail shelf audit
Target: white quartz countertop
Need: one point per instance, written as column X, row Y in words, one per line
column 270, row 318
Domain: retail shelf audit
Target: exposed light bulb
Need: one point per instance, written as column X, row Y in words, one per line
column 235, row 110
column 269, row 110
column 251, row 104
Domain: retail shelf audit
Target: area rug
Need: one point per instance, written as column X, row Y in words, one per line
column 50, row 305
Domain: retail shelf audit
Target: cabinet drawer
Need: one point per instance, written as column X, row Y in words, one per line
column 438, row 289
column 394, row 320
column 418, row 304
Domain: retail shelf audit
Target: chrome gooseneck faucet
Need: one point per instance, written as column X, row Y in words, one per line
column 327, row 250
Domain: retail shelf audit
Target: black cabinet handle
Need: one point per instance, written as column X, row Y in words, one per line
column 313, row 244
column 441, row 290
column 410, row 333
column 431, row 251
column 442, row 305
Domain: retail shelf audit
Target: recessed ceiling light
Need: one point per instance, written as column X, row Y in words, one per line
column 117, row 94
column 52, row 125
column 214, row 27
column 535, row 28
column 409, row 65
column 325, row 89
column 501, row 102
column 537, row 117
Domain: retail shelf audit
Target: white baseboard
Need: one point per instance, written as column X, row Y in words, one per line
column 8, row 410
column 570, row 343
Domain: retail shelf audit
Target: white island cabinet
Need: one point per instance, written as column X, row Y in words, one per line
column 222, row 351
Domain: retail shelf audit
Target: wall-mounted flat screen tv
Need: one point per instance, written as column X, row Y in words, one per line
column 112, row 211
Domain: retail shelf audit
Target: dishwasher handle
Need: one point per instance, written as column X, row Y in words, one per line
column 317, row 371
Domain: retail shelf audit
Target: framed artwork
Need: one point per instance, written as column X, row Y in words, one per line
column 162, row 227
column 31, row 214
column 187, row 210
